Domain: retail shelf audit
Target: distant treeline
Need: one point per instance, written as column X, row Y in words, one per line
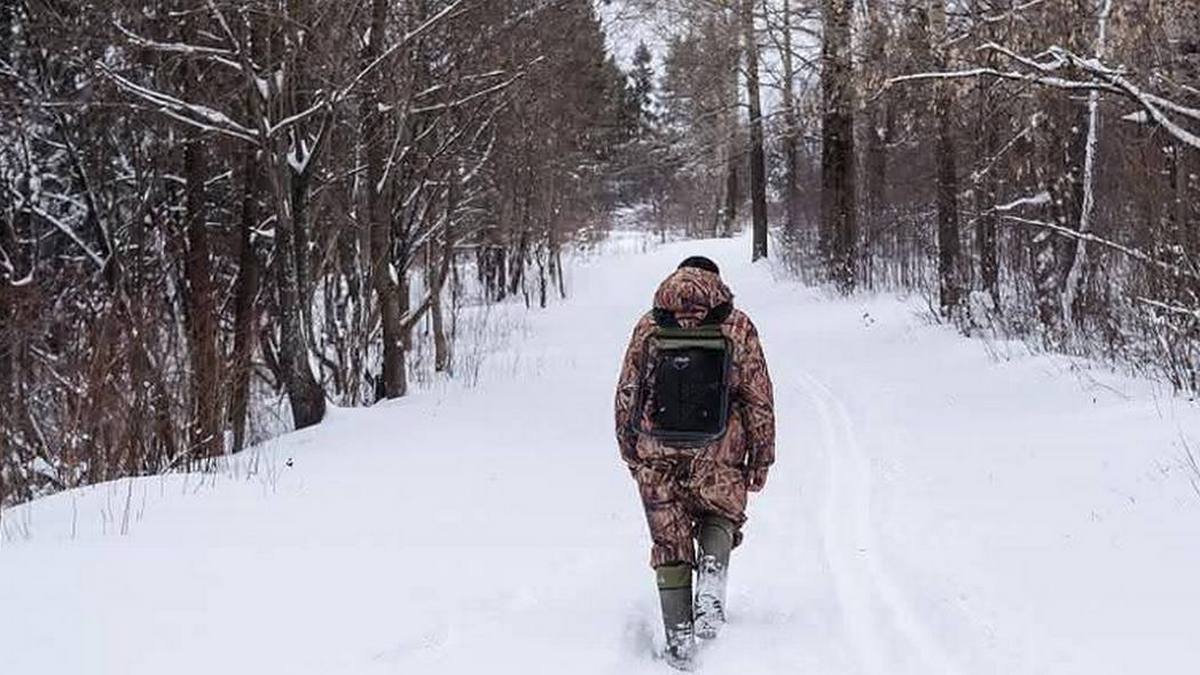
column 1032, row 165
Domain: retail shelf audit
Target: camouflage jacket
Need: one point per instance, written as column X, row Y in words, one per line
column 749, row 440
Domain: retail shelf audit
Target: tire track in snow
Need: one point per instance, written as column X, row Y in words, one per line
column 868, row 594
column 853, row 598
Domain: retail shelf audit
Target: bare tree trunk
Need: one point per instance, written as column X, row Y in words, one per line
column 205, row 428
column 791, row 157
column 6, row 341
column 357, row 302
column 520, row 258
column 301, row 194
column 8, row 371
column 758, row 158
column 306, row 397
column 838, row 199
column 382, row 272
column 1087, row 208
column 986, row 244
column 304, row 393
column 949, row 245
column 441, row 346
column 245, row 295
column 732, row 183
column 730, row 129
column 987, row 187
column 8, row 305
column 878, row 134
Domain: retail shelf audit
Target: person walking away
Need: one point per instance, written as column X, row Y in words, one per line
column 695, row 423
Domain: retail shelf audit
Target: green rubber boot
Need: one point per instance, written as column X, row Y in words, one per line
column 716, row 543
column 675, row 593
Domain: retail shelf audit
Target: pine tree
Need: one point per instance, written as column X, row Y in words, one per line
column 641, row 91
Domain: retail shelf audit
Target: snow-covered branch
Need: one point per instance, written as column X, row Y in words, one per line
column 1010, row 13
column 1040, row 199
column 223, row 56
column 1153, row 104
column 471, row 98
column 199, row 116
column 1105, row 79
column 972, row 73
column 1135, row 254
column 1172, row 309
column 400, row 44
column 22, row 203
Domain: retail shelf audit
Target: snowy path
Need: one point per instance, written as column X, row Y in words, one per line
column 932, row 512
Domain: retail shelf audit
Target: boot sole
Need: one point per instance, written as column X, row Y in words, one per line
column 709, row 632
column 683, row 666
column 709, row 617
column 707, row 629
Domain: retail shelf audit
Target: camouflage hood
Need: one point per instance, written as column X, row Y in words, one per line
column 689, row 293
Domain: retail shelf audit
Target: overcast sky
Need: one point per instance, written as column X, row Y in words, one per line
column 626, row 28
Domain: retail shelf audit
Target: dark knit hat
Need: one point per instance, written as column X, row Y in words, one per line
column 700, row 262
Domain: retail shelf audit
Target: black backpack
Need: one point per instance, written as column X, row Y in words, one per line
column 685, row 386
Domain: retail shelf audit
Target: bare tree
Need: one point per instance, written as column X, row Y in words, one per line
column 839, row 204
column 758, row 161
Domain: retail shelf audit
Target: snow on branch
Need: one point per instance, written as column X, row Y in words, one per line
column 222, row 56
column 1010, row 13
column 327, row 102
column 483, row 93
column 22, row 203
column 387, row 53
column 6, row 264
column 1151, row 103
column 979, row 174
column 1173, row 309
column 970, row 73
column 286, row 122
column 1135, row 254
column 1045, row 70
column 1061, row 58
column 196, row 115
column 1040, row 199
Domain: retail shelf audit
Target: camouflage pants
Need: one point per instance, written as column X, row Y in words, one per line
column 677, row 495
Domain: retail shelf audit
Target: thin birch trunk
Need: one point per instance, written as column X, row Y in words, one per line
column 790, row 145
column 1087, row 210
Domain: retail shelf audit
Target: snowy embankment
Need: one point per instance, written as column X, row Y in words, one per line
column 933, row 511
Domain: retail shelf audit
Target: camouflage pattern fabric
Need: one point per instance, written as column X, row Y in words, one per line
column 679, row 486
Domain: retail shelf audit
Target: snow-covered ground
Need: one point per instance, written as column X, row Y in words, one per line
column 933, row 511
